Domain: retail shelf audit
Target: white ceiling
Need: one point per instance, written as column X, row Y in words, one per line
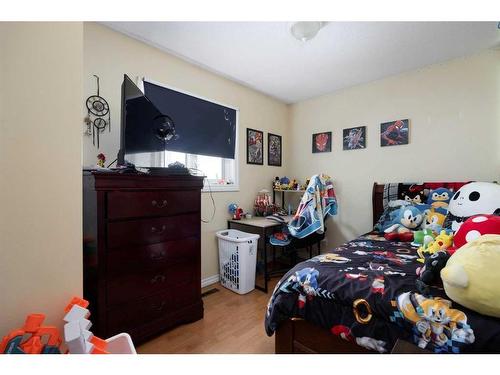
column 265, row 57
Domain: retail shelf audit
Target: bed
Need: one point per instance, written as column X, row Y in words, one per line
column 361, row 298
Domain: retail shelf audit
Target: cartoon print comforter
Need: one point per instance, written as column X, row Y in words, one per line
column 364, row 292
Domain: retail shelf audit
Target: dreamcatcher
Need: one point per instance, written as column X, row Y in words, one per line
column 99, row 116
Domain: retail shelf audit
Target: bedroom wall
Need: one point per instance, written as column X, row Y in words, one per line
column 454, row 113
column 110, row 54
column 40, row 161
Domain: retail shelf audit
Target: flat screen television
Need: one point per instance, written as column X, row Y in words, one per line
column 162, row 119
column 143, row 127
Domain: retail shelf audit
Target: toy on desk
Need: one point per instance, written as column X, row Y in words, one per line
column 235, row 211
column 276, row 183
column 263, row 205
column 294, row 185
column 284, row 183
column 29, row 338
column 238, row 214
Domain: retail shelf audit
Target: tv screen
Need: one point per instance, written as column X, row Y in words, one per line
column 162, row 119
column 138, row 123
column 202, row 127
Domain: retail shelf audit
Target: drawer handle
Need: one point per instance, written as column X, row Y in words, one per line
column 158, row 231
column 158, row 279
column 159, row 307
column 163, row 204
column 158, row 256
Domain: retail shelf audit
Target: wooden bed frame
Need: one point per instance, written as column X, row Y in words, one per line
column 299, row 336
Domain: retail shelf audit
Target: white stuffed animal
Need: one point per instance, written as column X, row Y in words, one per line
column 473, row 199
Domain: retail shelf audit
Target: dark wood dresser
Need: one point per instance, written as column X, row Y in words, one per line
column 141, row 251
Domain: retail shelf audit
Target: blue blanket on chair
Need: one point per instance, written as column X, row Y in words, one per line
column 317, row 202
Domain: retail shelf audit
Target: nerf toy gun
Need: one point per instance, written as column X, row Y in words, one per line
column 32, row 338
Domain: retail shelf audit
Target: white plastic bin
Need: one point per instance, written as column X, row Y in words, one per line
column 121, row 344
column 237, row 260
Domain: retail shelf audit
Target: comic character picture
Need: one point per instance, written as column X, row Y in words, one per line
column 255, row 147
column 274, row 150
column 394, row 133
column 322, row 142
column 354, row 138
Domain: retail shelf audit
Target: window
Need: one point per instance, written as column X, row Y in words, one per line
column 222, row 174
column 219, row 172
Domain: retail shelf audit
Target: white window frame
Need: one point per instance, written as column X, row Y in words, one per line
column 213, row 187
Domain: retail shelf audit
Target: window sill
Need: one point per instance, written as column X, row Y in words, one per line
column 220, row 188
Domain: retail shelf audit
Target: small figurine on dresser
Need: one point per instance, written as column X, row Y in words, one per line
column 101, row 159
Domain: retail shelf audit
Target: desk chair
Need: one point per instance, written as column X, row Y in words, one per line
column 292, row 248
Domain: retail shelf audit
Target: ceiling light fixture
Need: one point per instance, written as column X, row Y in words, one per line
column 305, row 31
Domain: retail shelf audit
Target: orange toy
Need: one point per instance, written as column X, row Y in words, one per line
column 76, row 301
column 100, row 346
column 15, row 342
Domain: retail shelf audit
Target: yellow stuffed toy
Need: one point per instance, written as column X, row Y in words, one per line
column 442, row 242
column 471, row 276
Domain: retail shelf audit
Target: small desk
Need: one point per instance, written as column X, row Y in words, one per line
column 264, row 228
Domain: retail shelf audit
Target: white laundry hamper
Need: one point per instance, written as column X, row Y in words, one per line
column 237, row 260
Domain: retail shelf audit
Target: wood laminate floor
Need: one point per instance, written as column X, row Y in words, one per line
column 232, row 323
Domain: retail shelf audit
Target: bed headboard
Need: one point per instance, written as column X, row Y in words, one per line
column 377, row 201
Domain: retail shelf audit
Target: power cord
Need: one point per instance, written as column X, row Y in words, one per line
column 110, row 164
column 210, row 191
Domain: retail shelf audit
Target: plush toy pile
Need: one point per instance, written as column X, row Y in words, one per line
column 458, row 238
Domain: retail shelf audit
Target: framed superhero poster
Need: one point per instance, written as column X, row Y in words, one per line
column 354, row 138
column 255, row 147
column 274, row 150
column 394, row 133
column 322, row 142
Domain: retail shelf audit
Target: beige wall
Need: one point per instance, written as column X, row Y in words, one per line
column 40, row 163
column 110, row 54
column 455, row 133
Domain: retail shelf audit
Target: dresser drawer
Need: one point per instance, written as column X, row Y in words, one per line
column 150, row 256
column 123, row 204
column 150, row 231
column 121, row 319
column 130, row 287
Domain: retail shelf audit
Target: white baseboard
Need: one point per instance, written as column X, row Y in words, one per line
column 209, row 280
